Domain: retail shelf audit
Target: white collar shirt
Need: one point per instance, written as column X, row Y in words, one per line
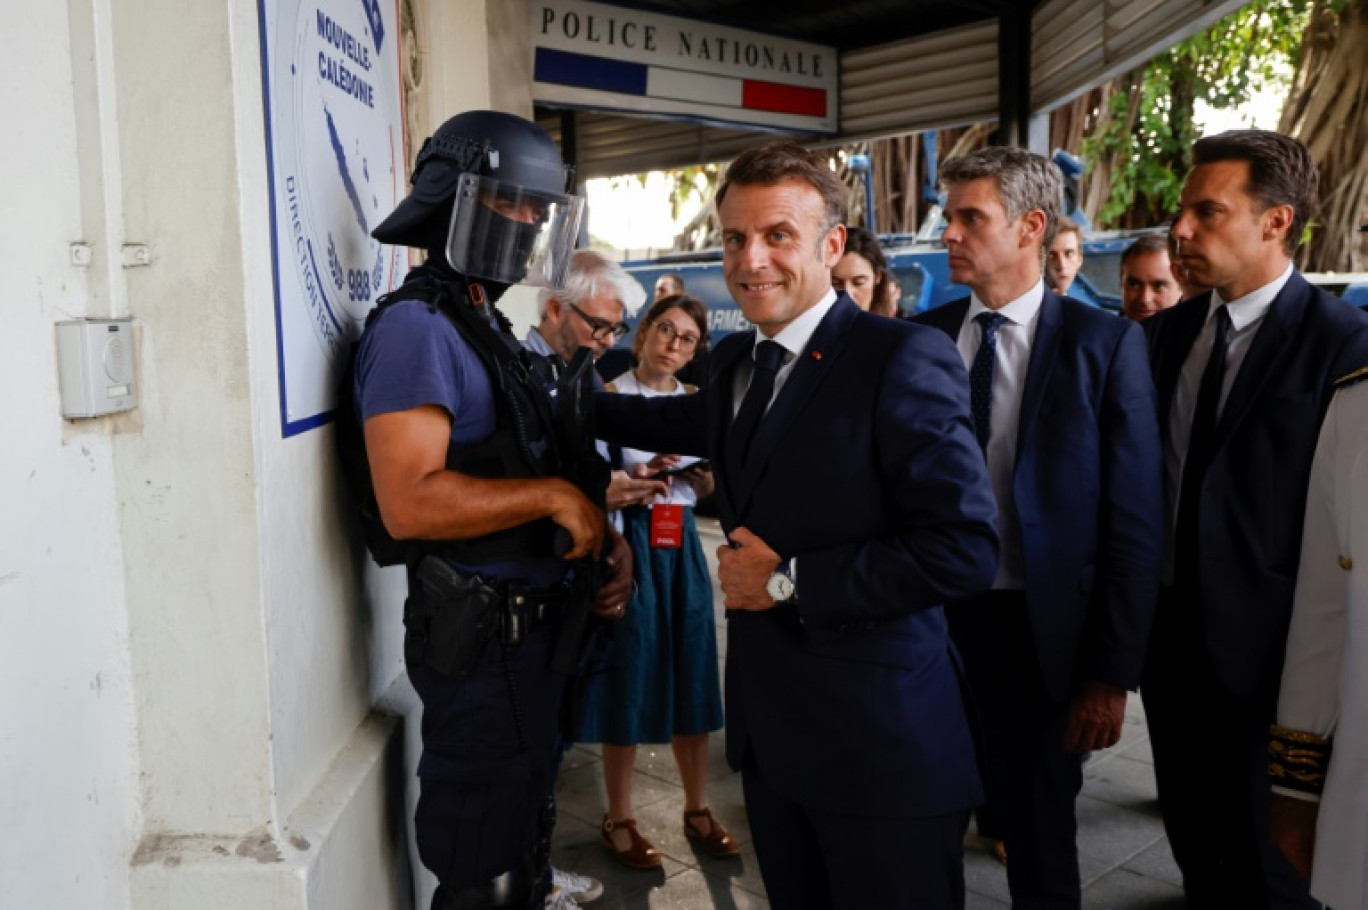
column 1246, row 315
column 793, row 338
column 1015, row 338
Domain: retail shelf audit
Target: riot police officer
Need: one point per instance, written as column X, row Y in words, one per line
column 488, row 490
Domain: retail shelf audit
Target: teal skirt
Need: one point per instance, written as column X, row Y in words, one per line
column 661, row 681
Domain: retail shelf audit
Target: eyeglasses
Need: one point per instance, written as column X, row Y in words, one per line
column 668, row 334
column 600, row 329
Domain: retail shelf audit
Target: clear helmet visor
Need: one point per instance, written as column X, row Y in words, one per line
column 511, row 235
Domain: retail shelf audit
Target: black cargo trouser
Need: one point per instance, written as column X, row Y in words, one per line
column 485, row 811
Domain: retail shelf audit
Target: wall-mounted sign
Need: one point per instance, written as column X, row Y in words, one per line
column 335, row 138
column 611, row 58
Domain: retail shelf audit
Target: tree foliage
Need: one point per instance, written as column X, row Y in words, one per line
column 686, row 183
column 1143, row 142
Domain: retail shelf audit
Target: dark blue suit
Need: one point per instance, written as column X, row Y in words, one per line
column 846, row 713
column 1216, row 657
column 1087, row 487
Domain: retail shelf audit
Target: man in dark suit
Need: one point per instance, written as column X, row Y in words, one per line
column 1244, row 375
column 856, row 503
column 1065, row 411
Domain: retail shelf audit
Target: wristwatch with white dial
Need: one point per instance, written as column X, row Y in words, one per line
column 781, row 585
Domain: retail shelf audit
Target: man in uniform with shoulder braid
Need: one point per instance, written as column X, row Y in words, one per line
column 1318, row 760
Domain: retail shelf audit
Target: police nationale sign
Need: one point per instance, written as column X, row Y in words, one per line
column 334, row 128
column 612, row 58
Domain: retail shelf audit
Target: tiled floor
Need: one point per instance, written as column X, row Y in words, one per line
column 1123, row 854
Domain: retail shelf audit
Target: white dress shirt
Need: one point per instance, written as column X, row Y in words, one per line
column 1246, row 315
column 1015, row 337
column 793, row 338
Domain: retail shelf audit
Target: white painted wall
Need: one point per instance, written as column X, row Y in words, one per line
column 190, row 643
column 187, row 479
column 67, row 766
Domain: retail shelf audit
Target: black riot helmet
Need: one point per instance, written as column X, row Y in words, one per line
column 491, row 191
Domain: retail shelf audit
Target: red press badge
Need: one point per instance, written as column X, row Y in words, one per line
column 667, row 526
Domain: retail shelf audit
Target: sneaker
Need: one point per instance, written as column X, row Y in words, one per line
column 581, row 889
column 556, row 899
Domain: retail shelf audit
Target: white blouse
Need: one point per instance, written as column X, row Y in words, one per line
column 681, row 491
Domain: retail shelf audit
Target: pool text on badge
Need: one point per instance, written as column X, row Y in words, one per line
column 667, row 526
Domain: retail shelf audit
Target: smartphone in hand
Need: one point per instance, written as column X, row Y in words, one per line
column 675, row 472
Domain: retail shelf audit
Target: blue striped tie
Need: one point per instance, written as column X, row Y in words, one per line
column 981, row 377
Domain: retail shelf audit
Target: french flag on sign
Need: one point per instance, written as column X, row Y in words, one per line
column 603, row 74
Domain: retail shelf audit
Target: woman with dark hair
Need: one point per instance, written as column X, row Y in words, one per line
column 863, row 274
column 662, row 683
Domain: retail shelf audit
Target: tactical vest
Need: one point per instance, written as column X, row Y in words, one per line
column 528, row 440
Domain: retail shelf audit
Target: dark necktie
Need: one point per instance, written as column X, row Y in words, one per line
column 1201, row 448
column 981, row 377
column 769, row 356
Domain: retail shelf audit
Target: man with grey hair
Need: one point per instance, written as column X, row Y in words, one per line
column 590, row 312
column 1065, row 413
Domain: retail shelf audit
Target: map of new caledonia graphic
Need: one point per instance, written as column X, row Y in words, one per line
column 336, row 146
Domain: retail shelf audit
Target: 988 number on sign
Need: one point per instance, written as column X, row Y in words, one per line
column 358, row 284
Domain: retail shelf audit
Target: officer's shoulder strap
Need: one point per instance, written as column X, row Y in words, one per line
column 501, row 353
column 1355, row 377
column 448, row 296
column 419, row 285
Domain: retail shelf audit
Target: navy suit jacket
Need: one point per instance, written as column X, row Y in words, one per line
column 866, row 470
column 1253, row 497
column 1088, row 488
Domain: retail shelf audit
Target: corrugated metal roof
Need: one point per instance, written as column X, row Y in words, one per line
column 906, row 65
column 845, row 25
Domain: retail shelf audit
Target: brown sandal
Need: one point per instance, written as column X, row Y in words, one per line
column 717, row 842
column 640, row 855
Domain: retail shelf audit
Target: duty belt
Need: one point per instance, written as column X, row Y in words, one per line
column 530, row 607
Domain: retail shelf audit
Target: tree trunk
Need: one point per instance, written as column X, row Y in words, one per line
column 1327, row 109
column 1182, row 100
column 897, row 182
column 1100, row 118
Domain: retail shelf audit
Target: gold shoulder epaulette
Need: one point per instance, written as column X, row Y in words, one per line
column 1356, row 376
column 1298, row 760
column 689, row 388
column 610, row 387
